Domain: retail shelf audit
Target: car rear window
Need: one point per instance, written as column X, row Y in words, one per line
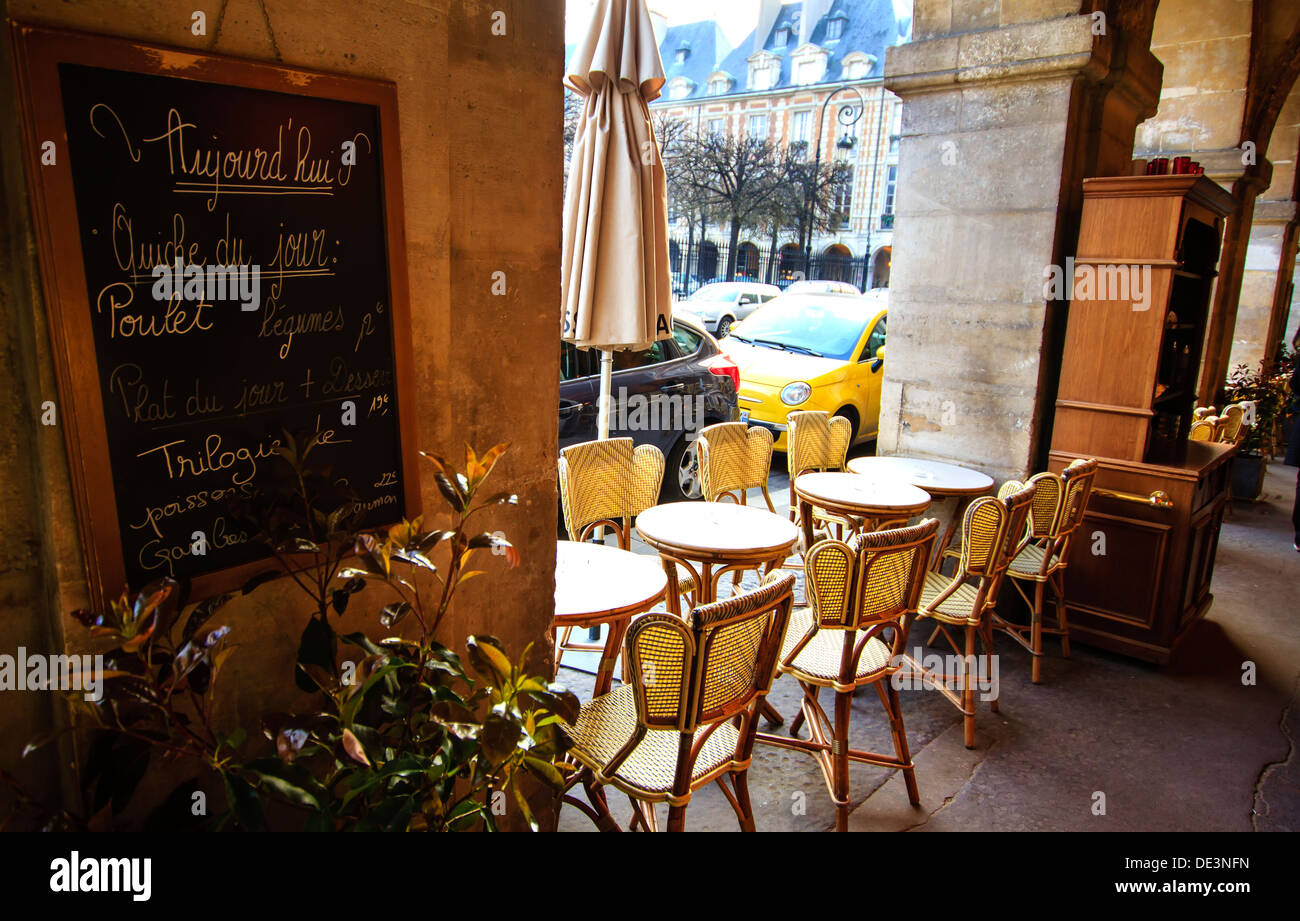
column 687, row 338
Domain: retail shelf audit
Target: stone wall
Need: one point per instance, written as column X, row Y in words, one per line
column 481, row 164
column 1006, row 108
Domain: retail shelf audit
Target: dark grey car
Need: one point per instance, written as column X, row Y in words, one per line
column 661, row 396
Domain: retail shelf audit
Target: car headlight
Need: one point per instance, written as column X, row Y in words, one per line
column 796, row 393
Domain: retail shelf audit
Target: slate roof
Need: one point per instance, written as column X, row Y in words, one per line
column 870, row 26
column 707, row 46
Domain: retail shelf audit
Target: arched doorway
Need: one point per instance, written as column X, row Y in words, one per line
column 789, row 261
column 706, row 266
column 880, row 267
column 747, row 262
column 836, row 263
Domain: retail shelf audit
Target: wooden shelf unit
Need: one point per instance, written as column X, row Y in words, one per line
column 1128, row 375
column 1126, row 394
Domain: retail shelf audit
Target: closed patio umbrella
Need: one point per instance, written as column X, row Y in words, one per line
column 615, row 282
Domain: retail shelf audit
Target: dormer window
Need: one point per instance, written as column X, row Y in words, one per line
column 719, row 83
column 782, row 37
column 857, row 65
column 683, row 52
column 808, row 64
column 680, row 87
column 764, row 70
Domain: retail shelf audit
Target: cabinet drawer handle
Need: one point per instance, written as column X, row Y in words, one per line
column 1158, row 499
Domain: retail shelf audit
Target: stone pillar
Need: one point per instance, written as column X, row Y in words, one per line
column 482, row 194
column 1001, row 122
column 1271, row 235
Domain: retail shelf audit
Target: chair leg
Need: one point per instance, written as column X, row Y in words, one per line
column 987, row 627
column 676, row 818
column 894, row 708
column 840, row 759
column 796, row 723
column 968, row 688
column 799, row 717
column 1036, row 631
column 740, row 780
column 596, row 797
column 1061, row 620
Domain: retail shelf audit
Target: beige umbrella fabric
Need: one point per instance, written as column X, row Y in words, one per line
column 615, row 283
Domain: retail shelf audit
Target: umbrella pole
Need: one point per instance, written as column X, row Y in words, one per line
column 606, row 385
column 602, row 409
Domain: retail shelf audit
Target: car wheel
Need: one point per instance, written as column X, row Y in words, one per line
column 849, row 414
column 724, row 327
column 682, row 473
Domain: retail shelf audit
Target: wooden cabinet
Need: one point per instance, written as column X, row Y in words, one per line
column 1142, row 562
column 1140, row 572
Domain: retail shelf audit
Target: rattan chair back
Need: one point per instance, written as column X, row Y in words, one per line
column 874, row 578
column 735, row 458
column 890, row 572
column 1204, row 429
column 688, row 674
column 1232, row 417
column 608, row 483
column 816, row 440
column 1078, row 479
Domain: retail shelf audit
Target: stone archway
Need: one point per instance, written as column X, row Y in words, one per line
column 789, row 260
column 835, row 263
column 880, row 263
column 706, row 263
column 747, row 262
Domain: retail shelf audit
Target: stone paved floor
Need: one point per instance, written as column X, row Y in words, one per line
column 1181, row 747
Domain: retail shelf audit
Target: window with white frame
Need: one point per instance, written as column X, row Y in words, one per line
column 801, row 127
column 758, row 126
column 835, row 28
column 716, row 126
column 844, row 198
column 891, row 180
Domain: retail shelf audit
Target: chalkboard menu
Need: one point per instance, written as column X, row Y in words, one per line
column 235, row 229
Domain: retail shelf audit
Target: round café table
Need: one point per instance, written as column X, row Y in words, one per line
column 940, row 480
column 595, row 585
column 711, row 539
column 852, row 495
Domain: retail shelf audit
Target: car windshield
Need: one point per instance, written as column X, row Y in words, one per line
column 823, row 327
column 714, row 293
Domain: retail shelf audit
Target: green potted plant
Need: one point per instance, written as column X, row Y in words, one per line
column 1265, row 387
column 401, row 736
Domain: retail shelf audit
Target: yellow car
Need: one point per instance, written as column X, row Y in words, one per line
column 811, row 351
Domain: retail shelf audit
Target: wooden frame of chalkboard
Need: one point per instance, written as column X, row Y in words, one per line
column 312, row 310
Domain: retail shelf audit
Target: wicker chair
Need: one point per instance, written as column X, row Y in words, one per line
column 1206, row 428
column 1059, row 504
column 687, row 716
column 993, row 532
column 733, row 460
column 817, row 441
column 1233, row 416
column 608, row 483
column 1200, row 412
column 864, row 594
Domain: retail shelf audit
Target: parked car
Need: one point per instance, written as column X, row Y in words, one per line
column 823, row 286
column 662, row 396
column 811, row 351
column 722, row 303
